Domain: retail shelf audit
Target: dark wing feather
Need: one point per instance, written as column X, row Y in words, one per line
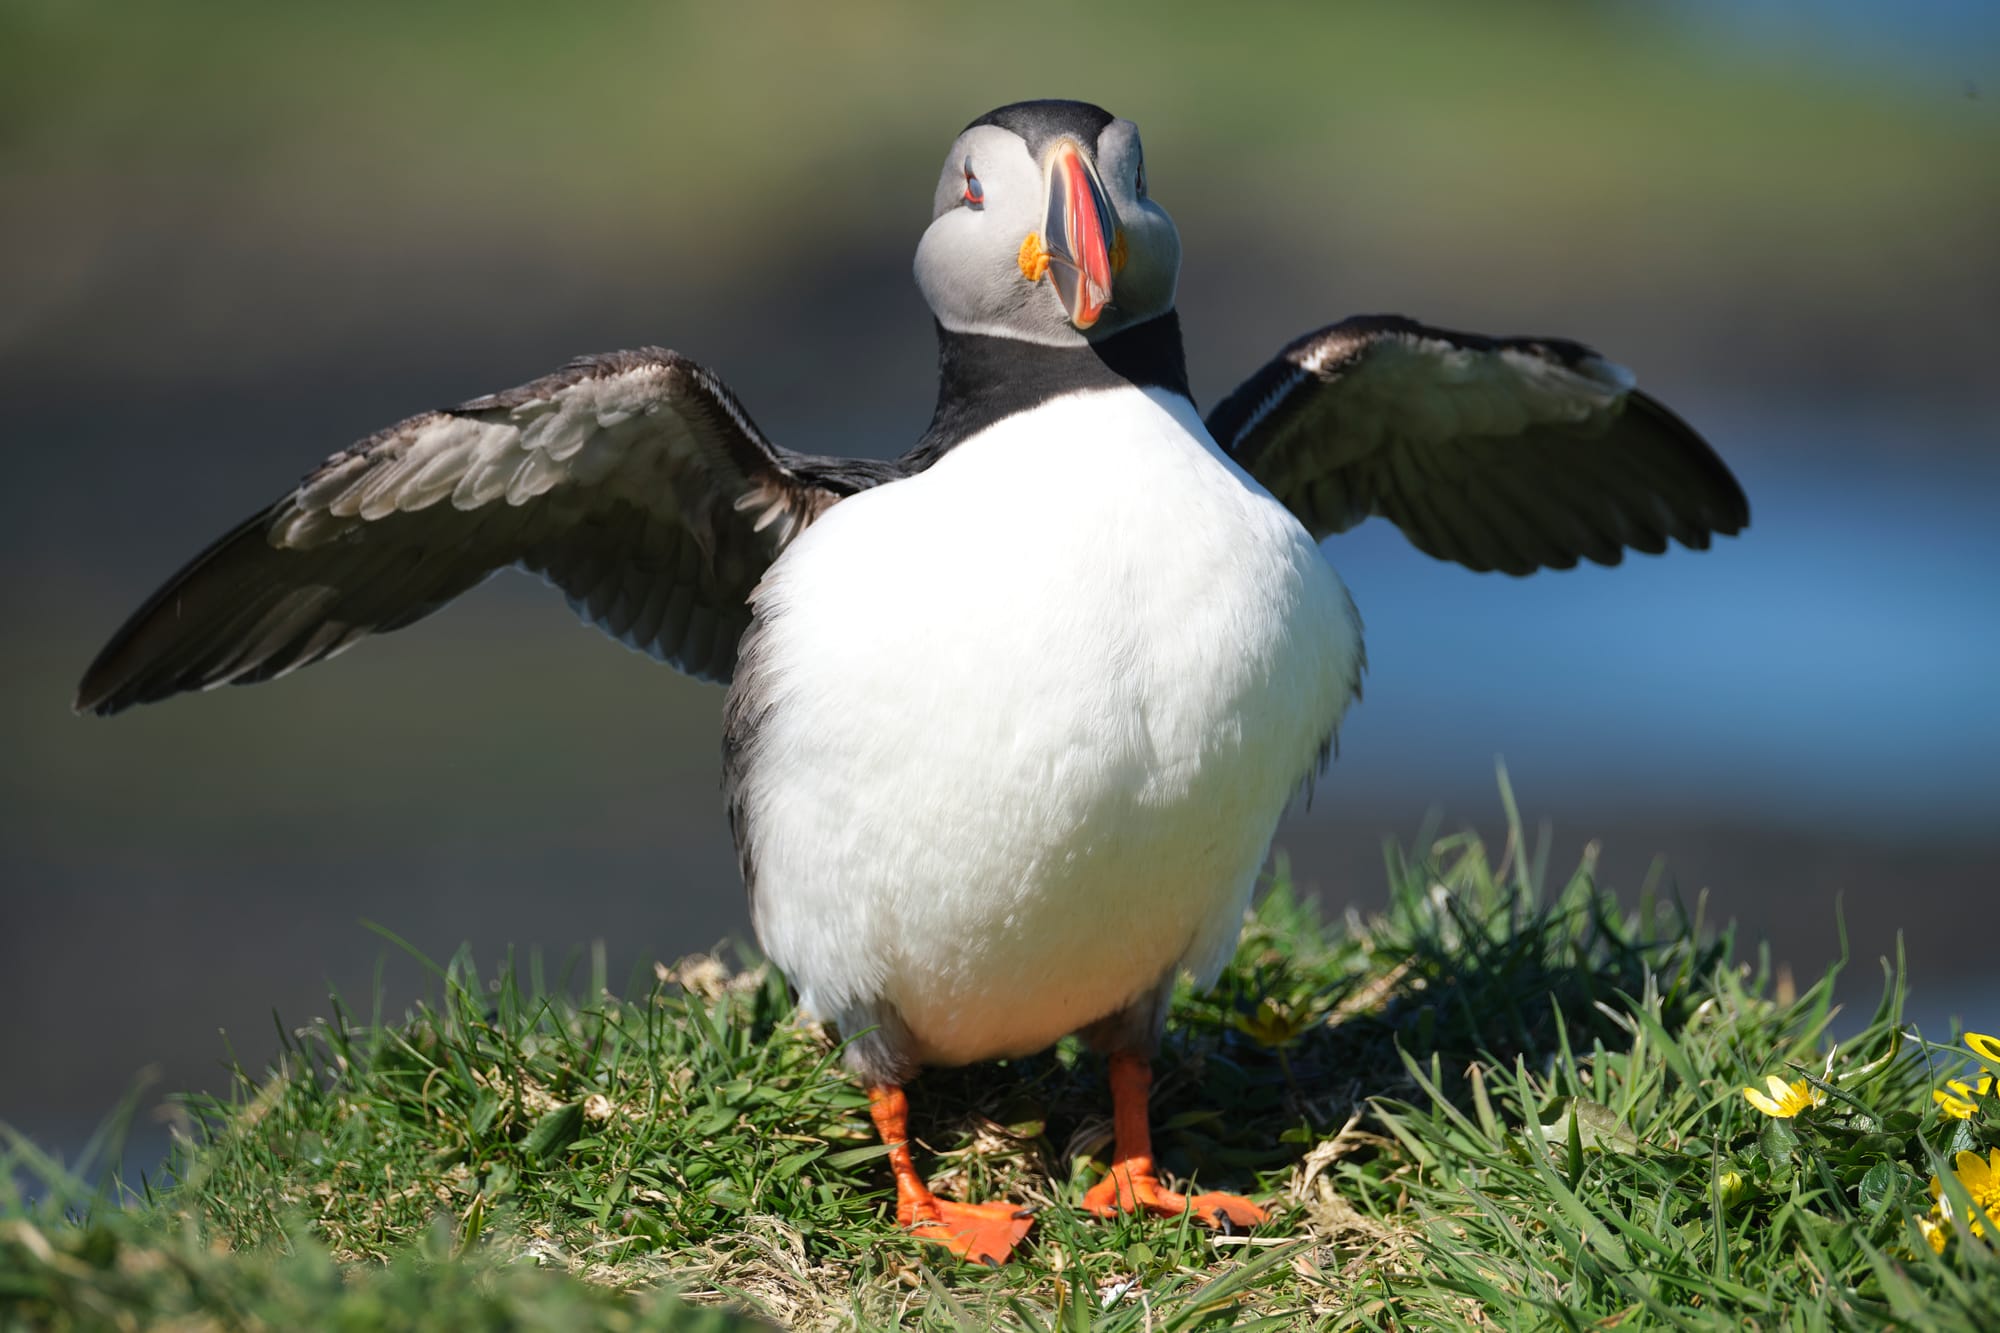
column 1511, row 454
column 633, row 481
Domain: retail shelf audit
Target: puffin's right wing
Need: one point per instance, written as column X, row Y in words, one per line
column 633, row 481
column 1513, row 454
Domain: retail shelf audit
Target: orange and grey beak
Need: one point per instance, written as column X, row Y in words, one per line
column 1080, row 243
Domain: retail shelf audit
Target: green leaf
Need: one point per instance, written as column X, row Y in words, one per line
column 1575, row 1143
column 1879, row 1187
column 792, row 1165
column 471, row 1225
column 713, row 1121
column 1592, row 1125
column 554, row 1131
column 1778, row 1140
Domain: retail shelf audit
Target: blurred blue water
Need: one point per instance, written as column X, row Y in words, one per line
column 1834, row 667
column 1871, row 34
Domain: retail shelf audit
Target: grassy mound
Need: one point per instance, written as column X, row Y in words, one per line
column 1495, row 1105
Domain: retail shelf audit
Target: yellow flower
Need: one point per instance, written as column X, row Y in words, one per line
column 1958, row 1102
column 1987, row 1047
column 1934, row 1234
column 1731, row 1186
column 1786, row 1099
column 1982, row 1182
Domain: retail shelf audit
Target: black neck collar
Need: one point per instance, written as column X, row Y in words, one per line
column 983, row 379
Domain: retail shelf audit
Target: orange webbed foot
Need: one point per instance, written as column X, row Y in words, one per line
column 985, row 1233
column 1131, row 1185
column 1128, row 1190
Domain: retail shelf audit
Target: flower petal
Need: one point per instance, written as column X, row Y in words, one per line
column 1976, row 1174
column 1987, row 1047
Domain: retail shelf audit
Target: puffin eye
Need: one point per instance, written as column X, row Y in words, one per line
column 974, row 195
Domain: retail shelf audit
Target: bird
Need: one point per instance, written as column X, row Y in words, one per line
column 1010, row 718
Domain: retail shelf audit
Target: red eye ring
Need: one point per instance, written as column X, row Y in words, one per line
column 974, row 194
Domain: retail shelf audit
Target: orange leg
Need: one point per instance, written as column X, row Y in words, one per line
column 1131, row 1184
column 982, row 1232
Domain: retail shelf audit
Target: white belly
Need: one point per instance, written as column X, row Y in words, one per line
column 1033, row 716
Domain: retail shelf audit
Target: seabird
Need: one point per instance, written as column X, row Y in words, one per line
column 1012, row 718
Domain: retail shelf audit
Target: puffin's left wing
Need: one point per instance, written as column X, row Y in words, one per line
column 1513, row 454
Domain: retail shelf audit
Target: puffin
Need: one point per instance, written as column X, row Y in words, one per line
column 1011, row 718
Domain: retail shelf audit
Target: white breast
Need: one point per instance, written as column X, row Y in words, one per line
column 1032, row 717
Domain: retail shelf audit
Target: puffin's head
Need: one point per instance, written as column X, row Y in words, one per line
column 1042, row 229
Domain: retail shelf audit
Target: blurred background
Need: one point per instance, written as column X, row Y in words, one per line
column 238, row 236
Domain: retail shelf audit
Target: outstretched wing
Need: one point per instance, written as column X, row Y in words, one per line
column 1513, row 454
column 634, row 482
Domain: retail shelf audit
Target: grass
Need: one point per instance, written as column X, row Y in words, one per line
column 1504, row 1103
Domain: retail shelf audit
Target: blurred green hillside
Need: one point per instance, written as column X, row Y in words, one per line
column 1445, row 158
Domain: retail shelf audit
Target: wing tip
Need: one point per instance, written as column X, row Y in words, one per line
column 96, row 693
column 101, row 694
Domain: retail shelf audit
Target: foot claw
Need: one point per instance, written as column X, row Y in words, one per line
column 1128, row 1191
column 1232, row 1213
